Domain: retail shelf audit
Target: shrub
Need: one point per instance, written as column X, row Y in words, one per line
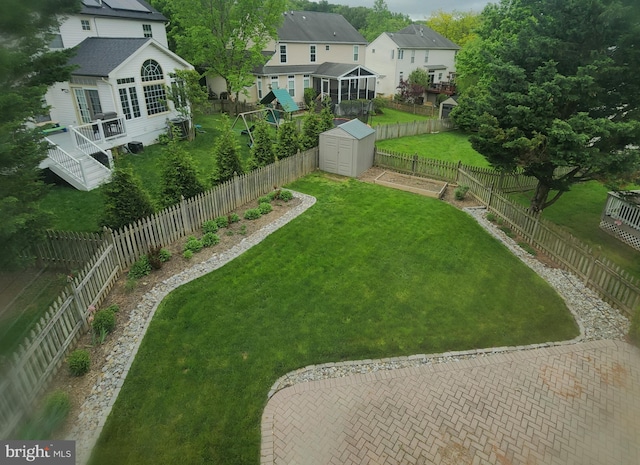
column 461, row 192
column 222, row 221
column 48, row 418
column 104, row 322
column 310, row 95
column 210, row 239
column 233, row 218
column 164, row 255
column 491, row 217
column 379, row 104
column 265, row 208
column 187, row 254
column 210, row 226
column 264, row 199
column 155, row 261
column 527, row 248
column 125, row 201
column 243, row 229
column 286, row 195
column 130, row 285
column 79, row 362
column 252, row 214
column 193, row 244
column 115, row 308
column 507, row 231
column 140, row 268
column 273, row 195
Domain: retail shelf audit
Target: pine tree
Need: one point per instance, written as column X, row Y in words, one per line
column 310, row 129
column 226, row 152
column 288, row 140
column 125, row 200
column 262, row 153
column 179, row 175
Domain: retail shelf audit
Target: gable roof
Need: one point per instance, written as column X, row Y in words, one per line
column 283, row 97
column 99, row 56
column 130, row 9
column 338, row 70
column 417, row 36
column 356, row 129
column 316, row 26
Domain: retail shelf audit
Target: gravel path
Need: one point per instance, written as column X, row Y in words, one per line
column 597, row 320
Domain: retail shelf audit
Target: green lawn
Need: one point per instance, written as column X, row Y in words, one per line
column 367, row 272
column 392, row 116
column 447, row 146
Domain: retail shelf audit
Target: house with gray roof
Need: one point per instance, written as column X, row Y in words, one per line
column 314, row 49
column 395, row 55
column 117, row 92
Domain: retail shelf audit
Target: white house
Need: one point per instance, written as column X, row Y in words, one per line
column 313, row 49
column 117, row 91
column 394, row 56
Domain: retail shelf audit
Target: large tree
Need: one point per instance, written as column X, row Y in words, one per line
column 226, row 37
column 382, row 20
column 555, row 91
column 27, row 68
column 457, row 26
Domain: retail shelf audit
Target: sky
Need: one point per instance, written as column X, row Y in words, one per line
column 421, row 9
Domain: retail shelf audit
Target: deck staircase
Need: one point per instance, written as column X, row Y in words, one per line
column 73, row 154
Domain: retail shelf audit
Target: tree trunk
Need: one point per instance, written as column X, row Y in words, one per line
column 540, row 198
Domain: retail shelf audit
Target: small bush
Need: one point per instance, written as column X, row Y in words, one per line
column 79, row 362
column 193, row 244
column 274, row 195
column 210, row 226
column 286, row 195
column 252, row 214
column 507, row 231
column 130, row 285
column 265, row 208
column 264, row 199
column 233, row 218
column 243, row 229
column 115, row 308
column 527, row 248
column 104, row 322
column 491, row 217
column 461, row 192
column 164, row 255
column 188, row 254
column 210, row 239
column 140, row 268
column 223, row 221
column 154, row 258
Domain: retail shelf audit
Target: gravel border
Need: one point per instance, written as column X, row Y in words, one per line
column 596, row 319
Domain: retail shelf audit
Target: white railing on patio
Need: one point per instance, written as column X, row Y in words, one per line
column 88, row 147
column 102, row 131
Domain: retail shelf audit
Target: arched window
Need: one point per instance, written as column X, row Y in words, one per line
column 155, row 96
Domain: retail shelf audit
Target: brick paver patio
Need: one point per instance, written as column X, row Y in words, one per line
column 571, row 404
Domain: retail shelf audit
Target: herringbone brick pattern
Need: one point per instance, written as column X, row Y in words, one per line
column 576, row 404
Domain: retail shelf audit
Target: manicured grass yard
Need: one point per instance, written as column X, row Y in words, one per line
column 367, row 272
column 451, row 146
column 392, row 116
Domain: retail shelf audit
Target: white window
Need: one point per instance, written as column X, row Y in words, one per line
column 400, row 54
column 413, row 56
column 327, row 47
column 439, row 77
column 129, row 98
column 306, row 81
column 146, row 30
column 292, row 85
column 259, row 85
column 356, row 52
column 401, row 76
column 312, row 53
column 426, row 56
column 56, row 40
column 86, row 25
column 155, row 97
column 283, row 53
column 274, row 82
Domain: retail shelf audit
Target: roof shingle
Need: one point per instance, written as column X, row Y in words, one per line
column 98, row 56
column 315, row 26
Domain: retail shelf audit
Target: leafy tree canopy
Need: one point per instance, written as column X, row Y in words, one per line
column 27, row 68
column 555, row 91
column 226, row 38
column 457, row 26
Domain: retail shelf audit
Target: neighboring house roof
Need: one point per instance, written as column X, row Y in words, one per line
column 283, row 97
column 337, row 70
column 99, row 56
column 285, row 69
column 315, row 26
column 130, row 9
column 417, row 36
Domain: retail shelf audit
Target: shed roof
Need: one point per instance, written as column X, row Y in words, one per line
column 354, row 128
column 283, row 97
column 316, row 26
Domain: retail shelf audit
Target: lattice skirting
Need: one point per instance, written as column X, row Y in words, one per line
column 621, row 234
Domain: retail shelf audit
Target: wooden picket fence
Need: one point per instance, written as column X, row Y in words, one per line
column 413, row 128
column 25, row 374
column 424, row 110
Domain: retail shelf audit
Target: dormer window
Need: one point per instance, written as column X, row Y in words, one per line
column 86, row 25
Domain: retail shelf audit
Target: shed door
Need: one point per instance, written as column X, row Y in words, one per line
column 329, row 158
column 345, row 157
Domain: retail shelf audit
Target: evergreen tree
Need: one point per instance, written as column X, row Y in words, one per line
column 310, row 129
column 179, row 176
column 27, row 68
column 226, row 152
column 262, row 151
column 326, row 117
column 288, row 140
column 125, row 200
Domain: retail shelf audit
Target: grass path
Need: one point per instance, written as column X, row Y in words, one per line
column 366, row 273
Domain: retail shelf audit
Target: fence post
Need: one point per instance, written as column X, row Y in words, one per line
column 490, row 196
column 414, row 163
column 458, row 171
column 111, row 239
column 185, row 216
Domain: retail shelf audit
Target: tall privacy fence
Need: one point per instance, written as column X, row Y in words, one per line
column 608, row 280
column 26, row 373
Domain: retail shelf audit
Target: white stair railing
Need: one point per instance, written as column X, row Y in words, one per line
column 87, row 146
column 66, row 162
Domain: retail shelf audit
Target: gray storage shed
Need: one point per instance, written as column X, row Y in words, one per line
column 347, row 149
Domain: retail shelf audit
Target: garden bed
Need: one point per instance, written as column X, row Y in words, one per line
column 417, row 185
